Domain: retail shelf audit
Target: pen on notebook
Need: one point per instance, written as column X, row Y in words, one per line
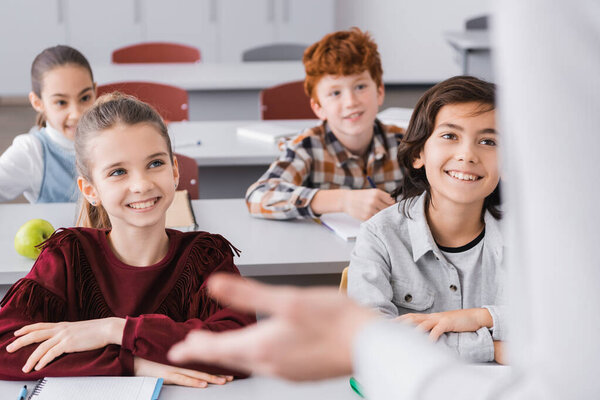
column 371, row 182
column 190, row 143
column 23, row 393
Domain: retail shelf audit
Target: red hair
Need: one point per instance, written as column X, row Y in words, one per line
column 341, row 53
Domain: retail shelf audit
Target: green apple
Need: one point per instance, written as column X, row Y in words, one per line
column 32, row 233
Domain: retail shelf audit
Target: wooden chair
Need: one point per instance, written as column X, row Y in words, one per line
column 286, row 101
column 344, row 281
column 275, row 52
column 188, row 175
column 156, row 52
column 171, row 102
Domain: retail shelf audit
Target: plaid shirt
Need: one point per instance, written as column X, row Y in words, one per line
column 316, row 159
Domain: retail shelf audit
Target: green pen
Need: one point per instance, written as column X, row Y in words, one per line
column 356, row 387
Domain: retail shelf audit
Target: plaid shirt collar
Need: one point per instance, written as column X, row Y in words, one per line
column 378, row 148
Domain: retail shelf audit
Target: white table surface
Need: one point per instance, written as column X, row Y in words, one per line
column 204, row 76
column 269, row 248
column 259, row 388
column 220, row 144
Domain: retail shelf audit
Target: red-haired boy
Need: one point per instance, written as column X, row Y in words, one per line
column 318, row 169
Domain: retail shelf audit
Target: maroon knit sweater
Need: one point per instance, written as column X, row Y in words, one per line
column 78, row 277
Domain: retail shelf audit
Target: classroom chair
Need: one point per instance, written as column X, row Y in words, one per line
column 188, row 175
column 477, row 23
column 344, row 281
column 286, row 101
column 275, row 52
column 171, row 102
column 156, row 52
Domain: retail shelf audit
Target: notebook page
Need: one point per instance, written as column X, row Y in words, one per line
column 96, row 388
column 344, row 225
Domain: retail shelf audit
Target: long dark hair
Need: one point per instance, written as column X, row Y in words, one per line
column 49, row 59
column 456, row 90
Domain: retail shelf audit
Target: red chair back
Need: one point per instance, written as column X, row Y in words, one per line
column 286, row 101
column 156, row 52
column 188, row 175
column 171, row 102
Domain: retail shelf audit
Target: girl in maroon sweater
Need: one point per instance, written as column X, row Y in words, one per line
column 111, row 299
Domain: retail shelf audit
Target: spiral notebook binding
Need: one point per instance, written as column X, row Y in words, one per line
column 38, row 388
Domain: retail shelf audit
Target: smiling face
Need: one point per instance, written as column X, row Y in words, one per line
column 132, row 175
column 67, row 92
column 460, row 157
column 349, row 104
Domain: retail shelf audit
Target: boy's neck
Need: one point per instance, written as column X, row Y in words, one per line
column 139, row 247
column 356, row 144
column 452, row 224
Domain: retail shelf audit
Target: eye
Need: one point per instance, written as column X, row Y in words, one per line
column 449, row 136
column 117, row 172
column 361, row 86
column 334, row 93
column 488, row 142
column 61, row 103
column 156, row 163
column 86, row 98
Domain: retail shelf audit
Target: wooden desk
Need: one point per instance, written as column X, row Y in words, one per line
column 269, row 248
column 258, row 388
column 473, row 48
column 217, row 91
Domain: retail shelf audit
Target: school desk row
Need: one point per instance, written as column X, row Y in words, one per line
column 268, row 248
column 223, row 91
column 228, row 163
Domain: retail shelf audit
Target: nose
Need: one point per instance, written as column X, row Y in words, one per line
column 140, row 183
column 76, row 110
column 350, row 99
column 467, row 152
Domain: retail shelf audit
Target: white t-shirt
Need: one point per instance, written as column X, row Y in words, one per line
column 22, row 164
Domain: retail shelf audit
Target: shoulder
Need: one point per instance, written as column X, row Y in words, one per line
column 308, row 138
column 26, row 143
column 393, row 129
column 206, row 247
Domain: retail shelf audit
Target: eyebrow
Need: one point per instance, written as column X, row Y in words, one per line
column 79, row 94
column 118, row 163
column 460, row 128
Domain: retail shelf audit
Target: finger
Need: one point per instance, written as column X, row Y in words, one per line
column 216, row 379
column 27, row 339
column 50, row 355
column 426, row 325
column 37, row 354
column 33, row 327
column 247, row 294
column 175, row 378
column 386, row 198
column 413, row 318
column 436, row 332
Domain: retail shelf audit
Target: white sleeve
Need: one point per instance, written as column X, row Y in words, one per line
column 22, row 169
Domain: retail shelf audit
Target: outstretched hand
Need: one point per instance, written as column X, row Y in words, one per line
column 308, row 335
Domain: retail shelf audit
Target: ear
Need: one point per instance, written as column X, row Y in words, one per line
column 318, row 110
column 95, row 90
column 88, row 190
column 175, row 171
column 36, row 102
column 380, row 95
column 419, row 161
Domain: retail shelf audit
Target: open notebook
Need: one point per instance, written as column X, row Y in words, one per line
column 98, row 388
column 180, row 214
column 342, row 224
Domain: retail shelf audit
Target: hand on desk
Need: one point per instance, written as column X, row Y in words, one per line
column 175, row 375
column 65, row 337
column 467, row 320
column 308, row 335
column 361, row 204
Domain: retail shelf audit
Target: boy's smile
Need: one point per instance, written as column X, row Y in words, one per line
column 460, row 157
column 349, row 104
